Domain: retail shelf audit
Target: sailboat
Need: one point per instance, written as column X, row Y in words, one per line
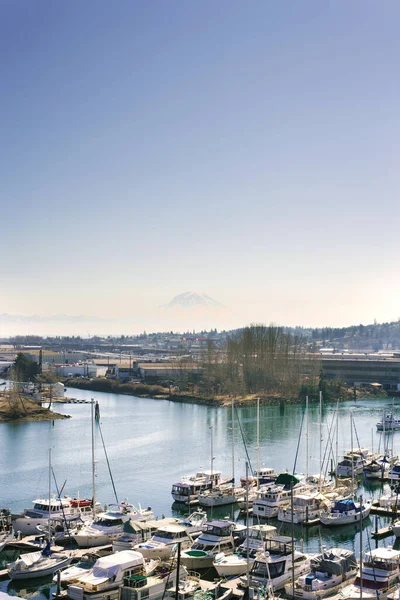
column 345, row 510
column 223, row 494
column 107, row 525
column 42, row 562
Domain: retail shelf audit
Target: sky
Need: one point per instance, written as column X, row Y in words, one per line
column 246, row 150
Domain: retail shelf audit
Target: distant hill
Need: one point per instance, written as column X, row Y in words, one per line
column 373, row 337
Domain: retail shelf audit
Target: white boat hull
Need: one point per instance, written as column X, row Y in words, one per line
column 91, row 541
column 32, row 573
column 343, row 519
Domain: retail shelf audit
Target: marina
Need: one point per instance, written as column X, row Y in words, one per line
column 148, row 456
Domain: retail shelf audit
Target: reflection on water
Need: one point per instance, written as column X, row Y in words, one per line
column 150, row 444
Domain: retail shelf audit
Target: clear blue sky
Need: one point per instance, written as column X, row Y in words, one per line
column 248, row 150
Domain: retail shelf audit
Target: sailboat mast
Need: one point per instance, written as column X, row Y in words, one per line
column 306, row 437
column 258, row 443
column 233, row 445
column 337, row 439
column 320, row 441
column 352, row 457
column 93, row 464
column 247, row 523
column 49, row 527
column 212, row 452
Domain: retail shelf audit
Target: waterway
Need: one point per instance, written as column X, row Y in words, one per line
column 151, row 443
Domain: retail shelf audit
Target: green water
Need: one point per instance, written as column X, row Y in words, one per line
column 151, row 443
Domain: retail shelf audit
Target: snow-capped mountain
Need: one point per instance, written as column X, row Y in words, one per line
column 193, row 299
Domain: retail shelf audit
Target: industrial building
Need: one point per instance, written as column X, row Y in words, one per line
column 360, row 369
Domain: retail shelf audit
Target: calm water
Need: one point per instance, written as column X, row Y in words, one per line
column 151, row 443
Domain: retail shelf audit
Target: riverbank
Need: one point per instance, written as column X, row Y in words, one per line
column 158, row 392
column 17, row 409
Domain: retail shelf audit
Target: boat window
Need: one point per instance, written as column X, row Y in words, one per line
column 264, row 570
column 165, row 535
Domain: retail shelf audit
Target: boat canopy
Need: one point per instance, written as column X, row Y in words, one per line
column 335, row 561
column 108, row 566
column 31, row 558
column 287, row 480
column 344, row 505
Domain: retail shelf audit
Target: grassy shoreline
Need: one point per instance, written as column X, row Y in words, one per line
column 157, row 392
column 23, row 409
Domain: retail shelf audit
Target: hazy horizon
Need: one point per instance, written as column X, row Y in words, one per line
column 247, row 151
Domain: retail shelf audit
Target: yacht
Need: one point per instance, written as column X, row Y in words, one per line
column 159, row 586
column 273, row 567
column 262, row 476
column 345, row 512
column 306, row 507
column 135, row 532
column 388, row 424
column 107, row 576
column 329, row 572
column 271, row 499
column 188, row 489
column 164, row 541
column 221, row 496
column 375, row 469
column 230, row 565
column 84, row 565
column 352, row 463
column 108, row 525
column 216, row 537
column 55, row 507
column 378, row 578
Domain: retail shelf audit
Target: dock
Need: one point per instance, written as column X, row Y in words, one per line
column 383, row 532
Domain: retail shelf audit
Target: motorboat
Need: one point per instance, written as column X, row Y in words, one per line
column 158, row 586
column 394, row 473
column 329, row 573
column 53, row 508
column 378, row 577
column 272, row 498
column 351, row 465
column 73, row 572
column 38, row 564
column 261, row 476
column 388, row 424
column 306, row 507
column 194, row 522
column 86, row 565
column 163, row 542
column 107, row 576
column 233, row 565
column 221, row 496
column 109, row 524
column 273, row 566
column 375, row 469
column 135, row 532
column 216, row 537
column 188, row 489
column 345, row 512
column 193, row 587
